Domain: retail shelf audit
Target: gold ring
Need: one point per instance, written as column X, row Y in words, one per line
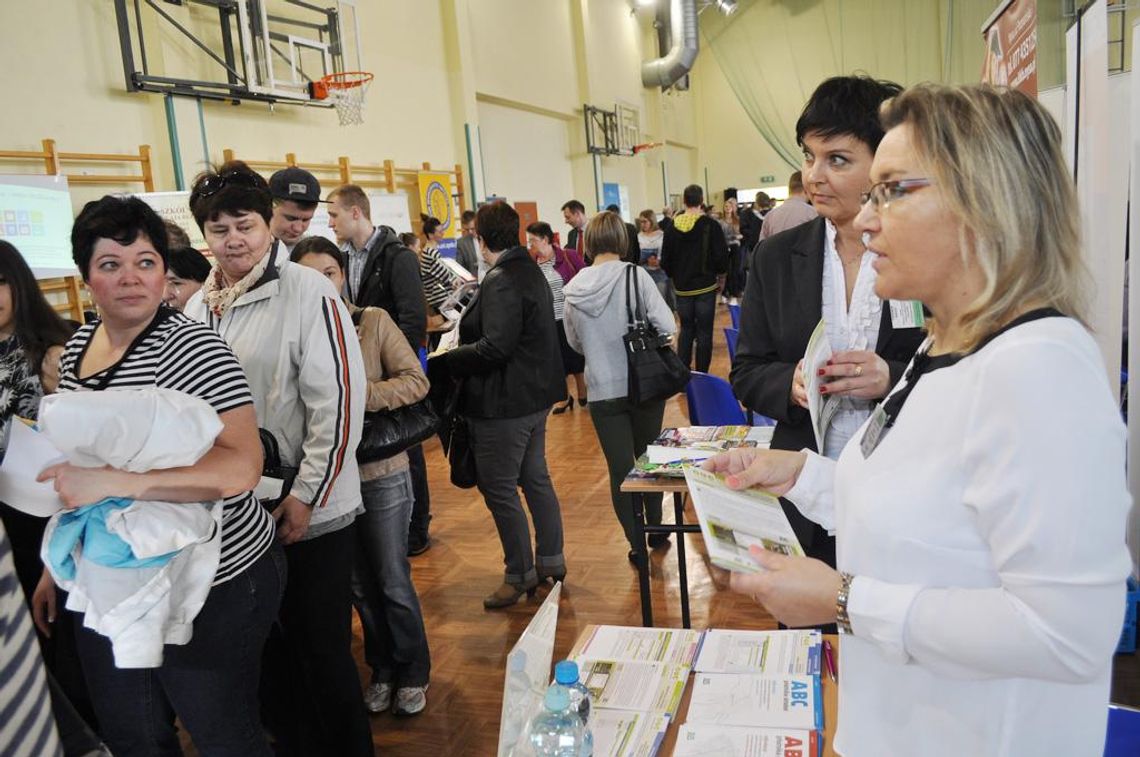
column 859, row 369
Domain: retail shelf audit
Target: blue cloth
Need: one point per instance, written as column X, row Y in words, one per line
column 88, row 526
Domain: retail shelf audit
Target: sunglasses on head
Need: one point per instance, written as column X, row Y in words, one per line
column 215, row 183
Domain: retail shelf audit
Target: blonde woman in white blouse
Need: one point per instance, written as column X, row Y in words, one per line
column 980, row 516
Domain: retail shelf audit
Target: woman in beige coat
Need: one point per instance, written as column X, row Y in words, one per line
column 395, row 643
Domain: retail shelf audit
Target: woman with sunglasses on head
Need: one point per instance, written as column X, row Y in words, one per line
column 981, row 512
column 295, row 339
column 210, row 683
column 822, row 270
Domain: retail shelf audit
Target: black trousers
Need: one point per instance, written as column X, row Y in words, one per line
column 421, row 497
column 310, row 689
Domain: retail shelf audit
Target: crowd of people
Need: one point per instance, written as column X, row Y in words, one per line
column 946, row 522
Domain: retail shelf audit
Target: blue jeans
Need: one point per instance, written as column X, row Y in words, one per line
column 697, row 314
column 395, row 642
column 210, row 684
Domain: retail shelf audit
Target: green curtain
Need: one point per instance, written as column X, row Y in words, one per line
column 775, row 52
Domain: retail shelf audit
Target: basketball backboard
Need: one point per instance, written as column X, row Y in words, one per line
column 267, row 50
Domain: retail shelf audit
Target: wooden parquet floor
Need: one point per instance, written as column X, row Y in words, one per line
column 469, row 644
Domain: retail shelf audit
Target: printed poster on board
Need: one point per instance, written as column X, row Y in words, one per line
column 1011, row 46
column 436, row 200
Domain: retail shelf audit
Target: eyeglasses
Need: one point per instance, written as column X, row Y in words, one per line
column 884, row 193
column 215, row 183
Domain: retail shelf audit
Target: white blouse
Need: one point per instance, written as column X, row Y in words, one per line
column 986, row 534
column 854, row 328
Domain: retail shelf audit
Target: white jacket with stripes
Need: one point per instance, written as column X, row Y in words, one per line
column 296, row 342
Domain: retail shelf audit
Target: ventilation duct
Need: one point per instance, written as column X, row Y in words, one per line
column 665, row 71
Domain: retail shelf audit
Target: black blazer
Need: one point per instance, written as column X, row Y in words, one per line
column 391, row 280
column 782, row 304
column 509, row 353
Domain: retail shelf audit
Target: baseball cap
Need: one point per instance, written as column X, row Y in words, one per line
column 295, row 184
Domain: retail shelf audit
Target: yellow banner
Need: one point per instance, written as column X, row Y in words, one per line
column 436, row 200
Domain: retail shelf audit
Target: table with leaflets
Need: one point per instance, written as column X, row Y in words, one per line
column 661, row 691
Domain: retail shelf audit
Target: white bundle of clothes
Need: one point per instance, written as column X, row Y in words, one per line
column 138, row 571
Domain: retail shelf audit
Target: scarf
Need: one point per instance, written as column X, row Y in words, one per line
column 219, row 297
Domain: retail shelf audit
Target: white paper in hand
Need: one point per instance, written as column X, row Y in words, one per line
column 29, row 452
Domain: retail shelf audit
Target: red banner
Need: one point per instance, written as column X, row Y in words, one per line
column 1011, row 46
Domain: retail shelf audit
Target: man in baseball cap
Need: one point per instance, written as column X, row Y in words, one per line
column 296, row 193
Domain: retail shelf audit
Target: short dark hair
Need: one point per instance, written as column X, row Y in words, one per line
column 467, row 217
column 498, row 225
column 574, row 206
column 541, row 229
column 847, row 105
column 187, row 263
column 430, row 224
column 796, row 182
column 317, row 246
column 233, row 188
column 693, row 196
column 613, row 208
column 176, row 236
column 34, row 322
column 408, row 239
column 122, row 219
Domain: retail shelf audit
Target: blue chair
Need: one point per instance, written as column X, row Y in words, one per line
column 423, row 358
column 730, row 336
column 1123, row 738
column 734, row 314
column 711, row 402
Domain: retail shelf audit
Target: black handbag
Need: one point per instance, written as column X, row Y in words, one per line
column 460, row 454
column 389, row 432
column 655, row 371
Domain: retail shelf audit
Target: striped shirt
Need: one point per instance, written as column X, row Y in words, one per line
column 182, row 354
column 27, row 727
column 554, row 279
column 438, row 281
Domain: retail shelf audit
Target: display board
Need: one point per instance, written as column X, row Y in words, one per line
column 175, row 207
column 36, row 217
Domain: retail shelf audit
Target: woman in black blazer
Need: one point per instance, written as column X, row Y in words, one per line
column 511, row 367
column 818, row 268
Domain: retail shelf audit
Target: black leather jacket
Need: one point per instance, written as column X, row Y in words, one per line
column 509, row 356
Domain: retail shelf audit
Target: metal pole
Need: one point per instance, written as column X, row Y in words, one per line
column 175, row 150
column 205, row 142
column 599, row 191
column 665, row 183
column 470, row 166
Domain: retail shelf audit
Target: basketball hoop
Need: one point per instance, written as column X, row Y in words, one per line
column 346, row 90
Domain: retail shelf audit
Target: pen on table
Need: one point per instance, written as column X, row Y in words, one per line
column 829, row 660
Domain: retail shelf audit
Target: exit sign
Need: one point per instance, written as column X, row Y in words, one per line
column 767, row 179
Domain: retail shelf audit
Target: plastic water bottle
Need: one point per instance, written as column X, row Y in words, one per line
column 566, row 673
column 557, row 731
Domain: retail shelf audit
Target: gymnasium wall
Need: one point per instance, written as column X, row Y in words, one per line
column 516, row 71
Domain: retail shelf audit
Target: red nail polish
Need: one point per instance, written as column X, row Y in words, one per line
column 823, row 390
column 821, row 371
column 829, row 361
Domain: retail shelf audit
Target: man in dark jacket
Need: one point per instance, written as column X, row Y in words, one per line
column 511, row 367
column 381, row 272
column 694, row 252
column 633, row 250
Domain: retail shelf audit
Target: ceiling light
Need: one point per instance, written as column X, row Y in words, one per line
column 727, row 7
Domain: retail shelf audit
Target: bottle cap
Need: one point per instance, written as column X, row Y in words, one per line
column 566, row 672
column 557, row 698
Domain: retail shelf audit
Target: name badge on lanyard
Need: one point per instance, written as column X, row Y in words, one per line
column 907, row 314
column 876, row 430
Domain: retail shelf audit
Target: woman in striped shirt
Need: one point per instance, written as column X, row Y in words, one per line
column 210, row 683
column 438, row 281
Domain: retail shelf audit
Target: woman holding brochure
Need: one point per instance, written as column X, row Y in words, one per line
column 822, row 270
column 981, row 542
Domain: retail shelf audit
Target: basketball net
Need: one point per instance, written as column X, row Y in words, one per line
column 347, row 91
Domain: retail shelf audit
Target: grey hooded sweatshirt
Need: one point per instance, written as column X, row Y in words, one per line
column 596, row 321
